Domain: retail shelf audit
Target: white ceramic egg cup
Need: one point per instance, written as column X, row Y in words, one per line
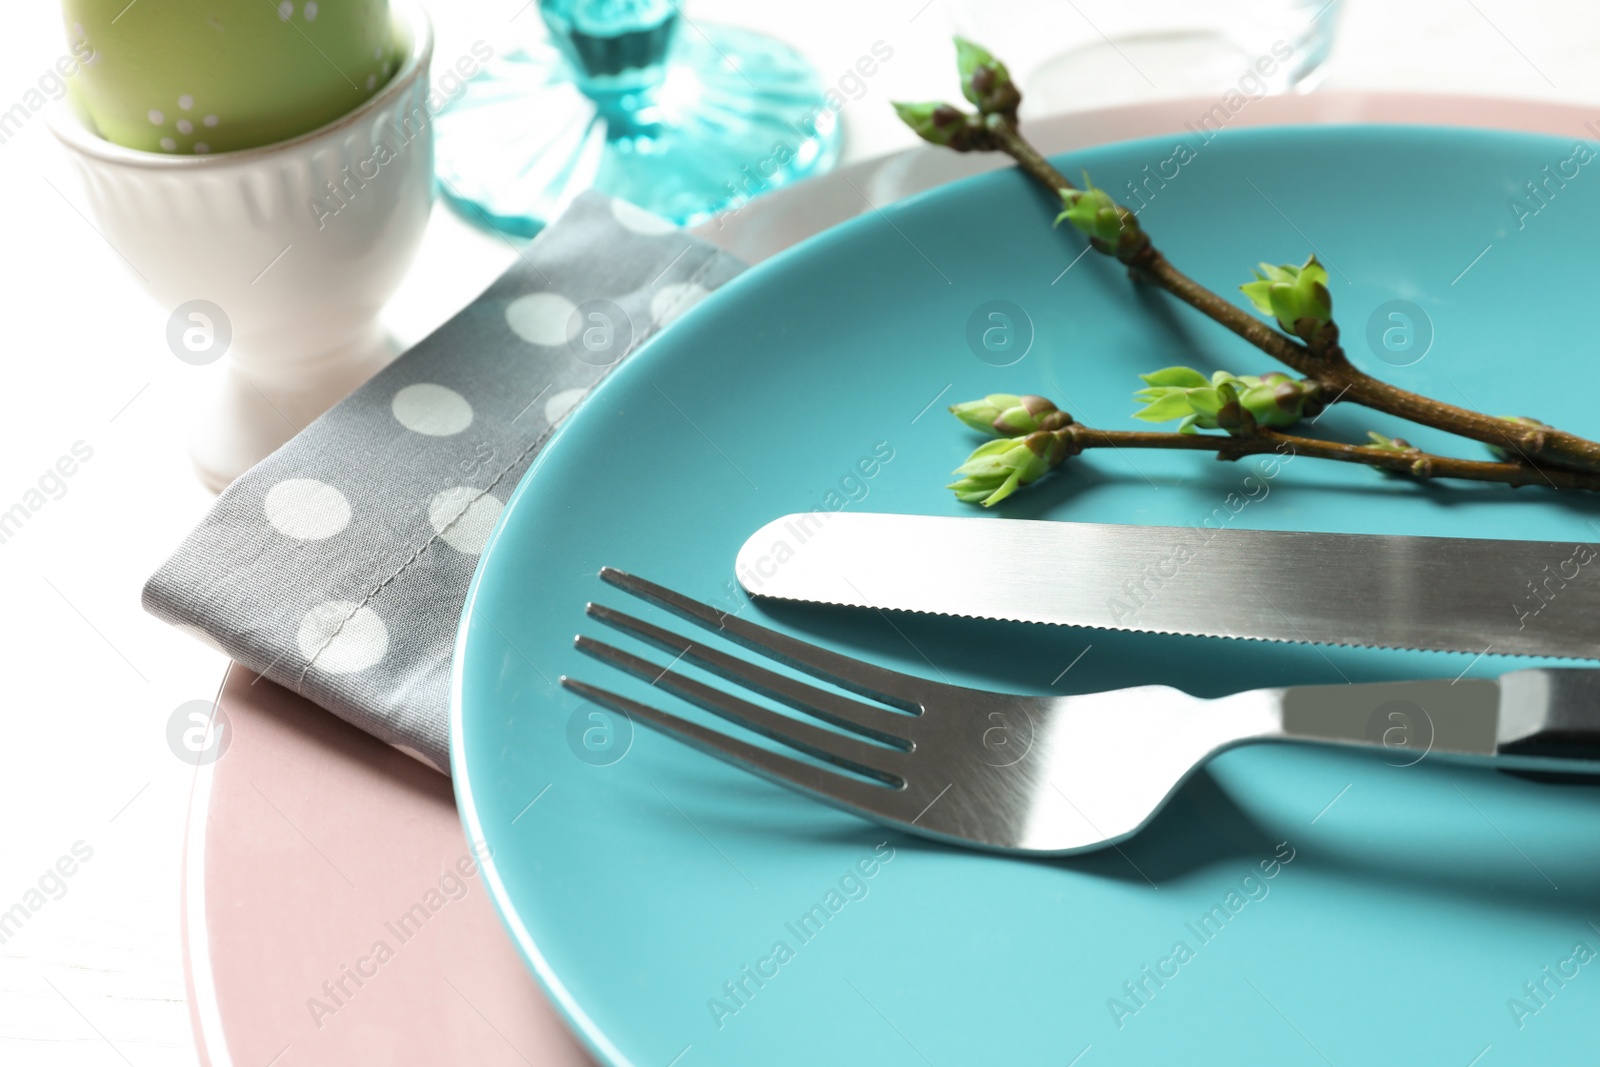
column 299, row 244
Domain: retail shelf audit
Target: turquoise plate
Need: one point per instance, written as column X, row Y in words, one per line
column 1293, row 905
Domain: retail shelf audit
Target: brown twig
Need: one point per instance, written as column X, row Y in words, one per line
column 1412, row 462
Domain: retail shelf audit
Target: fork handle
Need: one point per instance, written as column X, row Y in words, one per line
column 1410, row 717
column 1551, row 717
column 1537, row 720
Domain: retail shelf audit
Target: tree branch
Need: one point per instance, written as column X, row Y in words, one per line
column 1340, row 379
column 1412, row 462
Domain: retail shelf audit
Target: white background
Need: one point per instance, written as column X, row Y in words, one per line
column 90, row 681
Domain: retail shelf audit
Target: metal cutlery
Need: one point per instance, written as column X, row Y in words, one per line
column 1531, row 598
column 1054, row 774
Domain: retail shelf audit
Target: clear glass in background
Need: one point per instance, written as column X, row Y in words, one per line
column 1076, row 54
column 634, row 98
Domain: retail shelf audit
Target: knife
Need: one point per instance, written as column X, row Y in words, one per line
column 1448, row 594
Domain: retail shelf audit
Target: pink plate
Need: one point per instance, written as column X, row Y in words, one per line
column 335, row 913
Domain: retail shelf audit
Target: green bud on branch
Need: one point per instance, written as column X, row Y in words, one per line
column 1389, row 444
column 1297, row 297
column 1236, row 403
column 942, row 124
column 1004, row 415
column 1109, row 226
column 996, row 469
column 985, row 81
column 1278, row 400
column 1395, row 444
column 1513, row 452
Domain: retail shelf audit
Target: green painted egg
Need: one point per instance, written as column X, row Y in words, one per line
column 198, row 76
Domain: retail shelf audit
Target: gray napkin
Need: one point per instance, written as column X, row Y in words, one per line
column 338, row 566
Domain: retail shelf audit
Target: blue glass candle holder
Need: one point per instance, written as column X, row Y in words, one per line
column 630, row 97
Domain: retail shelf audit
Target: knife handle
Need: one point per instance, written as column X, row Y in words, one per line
column 1551, row 716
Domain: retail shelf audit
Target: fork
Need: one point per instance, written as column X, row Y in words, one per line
column 1054, row 774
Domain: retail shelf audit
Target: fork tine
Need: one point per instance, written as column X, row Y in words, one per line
column 890, row 727
column 868, row 679
column 806, row 777
column 845, row 750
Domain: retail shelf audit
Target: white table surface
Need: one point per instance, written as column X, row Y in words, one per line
column 95, row 975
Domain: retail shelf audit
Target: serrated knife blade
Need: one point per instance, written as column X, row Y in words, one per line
column 1448, row 594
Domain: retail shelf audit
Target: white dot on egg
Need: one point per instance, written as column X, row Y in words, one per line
column 639, row 220
column 185, row 126
column 673, row 300
column 431, row 409
column 377, row 53
column 541, row 318
column 311, row 11
column 286, row 10
column 463, row 517
column 557, row 407
column 169, row 144
column 186, row 101
column 210, row 120
column 306, row 509
column 340, row 637
column 201, row 148
column 372, row 80
column 156, row 118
